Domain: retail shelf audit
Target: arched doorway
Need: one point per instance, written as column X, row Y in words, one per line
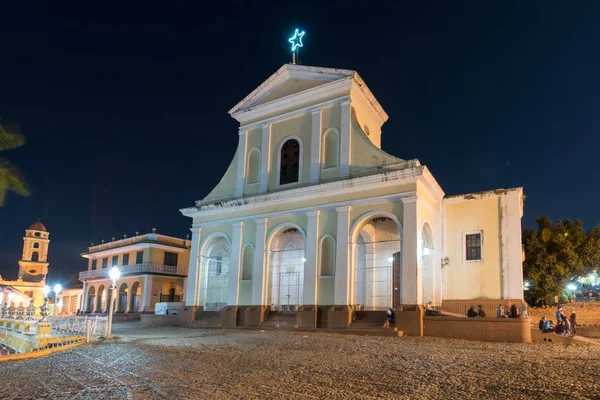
column 136, row 294
column 286, row 270
column 91, row 297
column 101, row 299
column 171, row 292
column 215, row 273
column 377, row 264
column 427, row 263
column 122, row 297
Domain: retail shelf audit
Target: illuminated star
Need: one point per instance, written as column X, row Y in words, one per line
column 296, row 40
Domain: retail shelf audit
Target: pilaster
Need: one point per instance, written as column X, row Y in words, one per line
column 311, row 255
column 241, row 163
column 346, row 139
column 233, row 293
column 259, row 274
column 147, row 293
column 265, row 159
column 193, row 287
column 315, row 146
column 411, row 276
column 342, row 264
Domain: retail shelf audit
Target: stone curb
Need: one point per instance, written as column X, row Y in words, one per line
column 39, row 353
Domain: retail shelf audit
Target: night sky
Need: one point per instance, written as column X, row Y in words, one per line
column 124, row 104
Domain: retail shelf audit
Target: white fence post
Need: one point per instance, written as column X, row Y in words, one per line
column 88, row 331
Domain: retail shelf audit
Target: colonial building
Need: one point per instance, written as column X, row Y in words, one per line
column 153, row 269
column 312, row 213
column 33, row 266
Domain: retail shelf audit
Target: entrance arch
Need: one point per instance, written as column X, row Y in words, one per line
column 286, row 268
column 216, row 256
column 91, row 297
column 136, row 294
column 122, row 297
column 427, row 256
column 101, row 299
column 376, row 272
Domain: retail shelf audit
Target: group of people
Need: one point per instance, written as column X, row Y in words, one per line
column 564, row 326
column 510, row 310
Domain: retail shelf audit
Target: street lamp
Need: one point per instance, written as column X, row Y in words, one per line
column 572, row 288
column 57, row 290
column 114, row 274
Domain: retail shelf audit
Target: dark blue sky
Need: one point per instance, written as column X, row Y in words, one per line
column 124, row 104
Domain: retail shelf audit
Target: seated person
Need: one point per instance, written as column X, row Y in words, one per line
column 560, row 328
column 480, row 312
column 471, row 313
column 429, row 309
column 542, row 323
column 500, row 311
column 548, row 326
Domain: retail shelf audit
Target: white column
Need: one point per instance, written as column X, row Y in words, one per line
column 410, row 274
column 346, row 139
column 259, row 273
column 241, row 163
column 233, row 293
column 315, row 147
column 342, row 264
column 311, row 255
column 147, row 293
column 192, row 290
column 265, row 152
column 83, row 304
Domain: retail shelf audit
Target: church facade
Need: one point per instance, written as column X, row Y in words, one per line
column 312, row 212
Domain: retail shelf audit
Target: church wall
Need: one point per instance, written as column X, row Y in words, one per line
column 473, row 279
column 298, row 218
column 227, row 185
column 394, row 207
column 365, row 155
column 331, row 117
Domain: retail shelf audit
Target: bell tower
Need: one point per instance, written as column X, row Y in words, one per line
column 33, row 266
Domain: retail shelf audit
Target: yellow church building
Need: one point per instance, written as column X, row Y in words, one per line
column 33, row 268
column 313, row 216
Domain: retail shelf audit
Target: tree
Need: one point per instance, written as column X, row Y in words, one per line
column 74, row 282
column 10, row 177
column 557, row 253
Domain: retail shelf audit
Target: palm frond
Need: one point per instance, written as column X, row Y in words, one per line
column 11, row 180
column 10, row 140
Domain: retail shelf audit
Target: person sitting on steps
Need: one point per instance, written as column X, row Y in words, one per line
column 389, row 315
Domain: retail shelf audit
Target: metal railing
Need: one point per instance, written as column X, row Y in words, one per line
column 92, row 327
column 135, row 269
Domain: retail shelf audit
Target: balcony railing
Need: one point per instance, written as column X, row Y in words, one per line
column 135, row 269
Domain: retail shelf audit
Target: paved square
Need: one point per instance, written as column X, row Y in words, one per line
column 182, row 363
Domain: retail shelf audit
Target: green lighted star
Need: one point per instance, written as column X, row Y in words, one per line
column 296, row 40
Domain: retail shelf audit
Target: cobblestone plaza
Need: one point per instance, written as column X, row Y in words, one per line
column 183, row 363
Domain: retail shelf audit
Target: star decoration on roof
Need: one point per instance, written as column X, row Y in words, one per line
column 296, row 40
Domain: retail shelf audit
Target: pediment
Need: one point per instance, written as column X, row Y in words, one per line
column 290, row 79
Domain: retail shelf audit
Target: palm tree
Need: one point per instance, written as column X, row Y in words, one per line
column 10, row 178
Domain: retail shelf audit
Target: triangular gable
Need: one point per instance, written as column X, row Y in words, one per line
column 288, row 80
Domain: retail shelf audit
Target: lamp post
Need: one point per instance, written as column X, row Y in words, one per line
column 45, row 308
column 572, row 288
column 57, row 290
column 114, row 274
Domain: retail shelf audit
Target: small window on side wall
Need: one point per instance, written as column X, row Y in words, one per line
column 473, row 245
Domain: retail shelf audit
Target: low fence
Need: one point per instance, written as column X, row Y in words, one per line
column 90, row 326
column 20, row 336
column 486, row 310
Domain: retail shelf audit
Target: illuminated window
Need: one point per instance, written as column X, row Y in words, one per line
column 290, row 162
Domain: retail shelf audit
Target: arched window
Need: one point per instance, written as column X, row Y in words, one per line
column 327, row 260
column 35, row 256
column 247, row 262
column 331, row 148
column 253, row 167
column 36, row 245
column 289, row 162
